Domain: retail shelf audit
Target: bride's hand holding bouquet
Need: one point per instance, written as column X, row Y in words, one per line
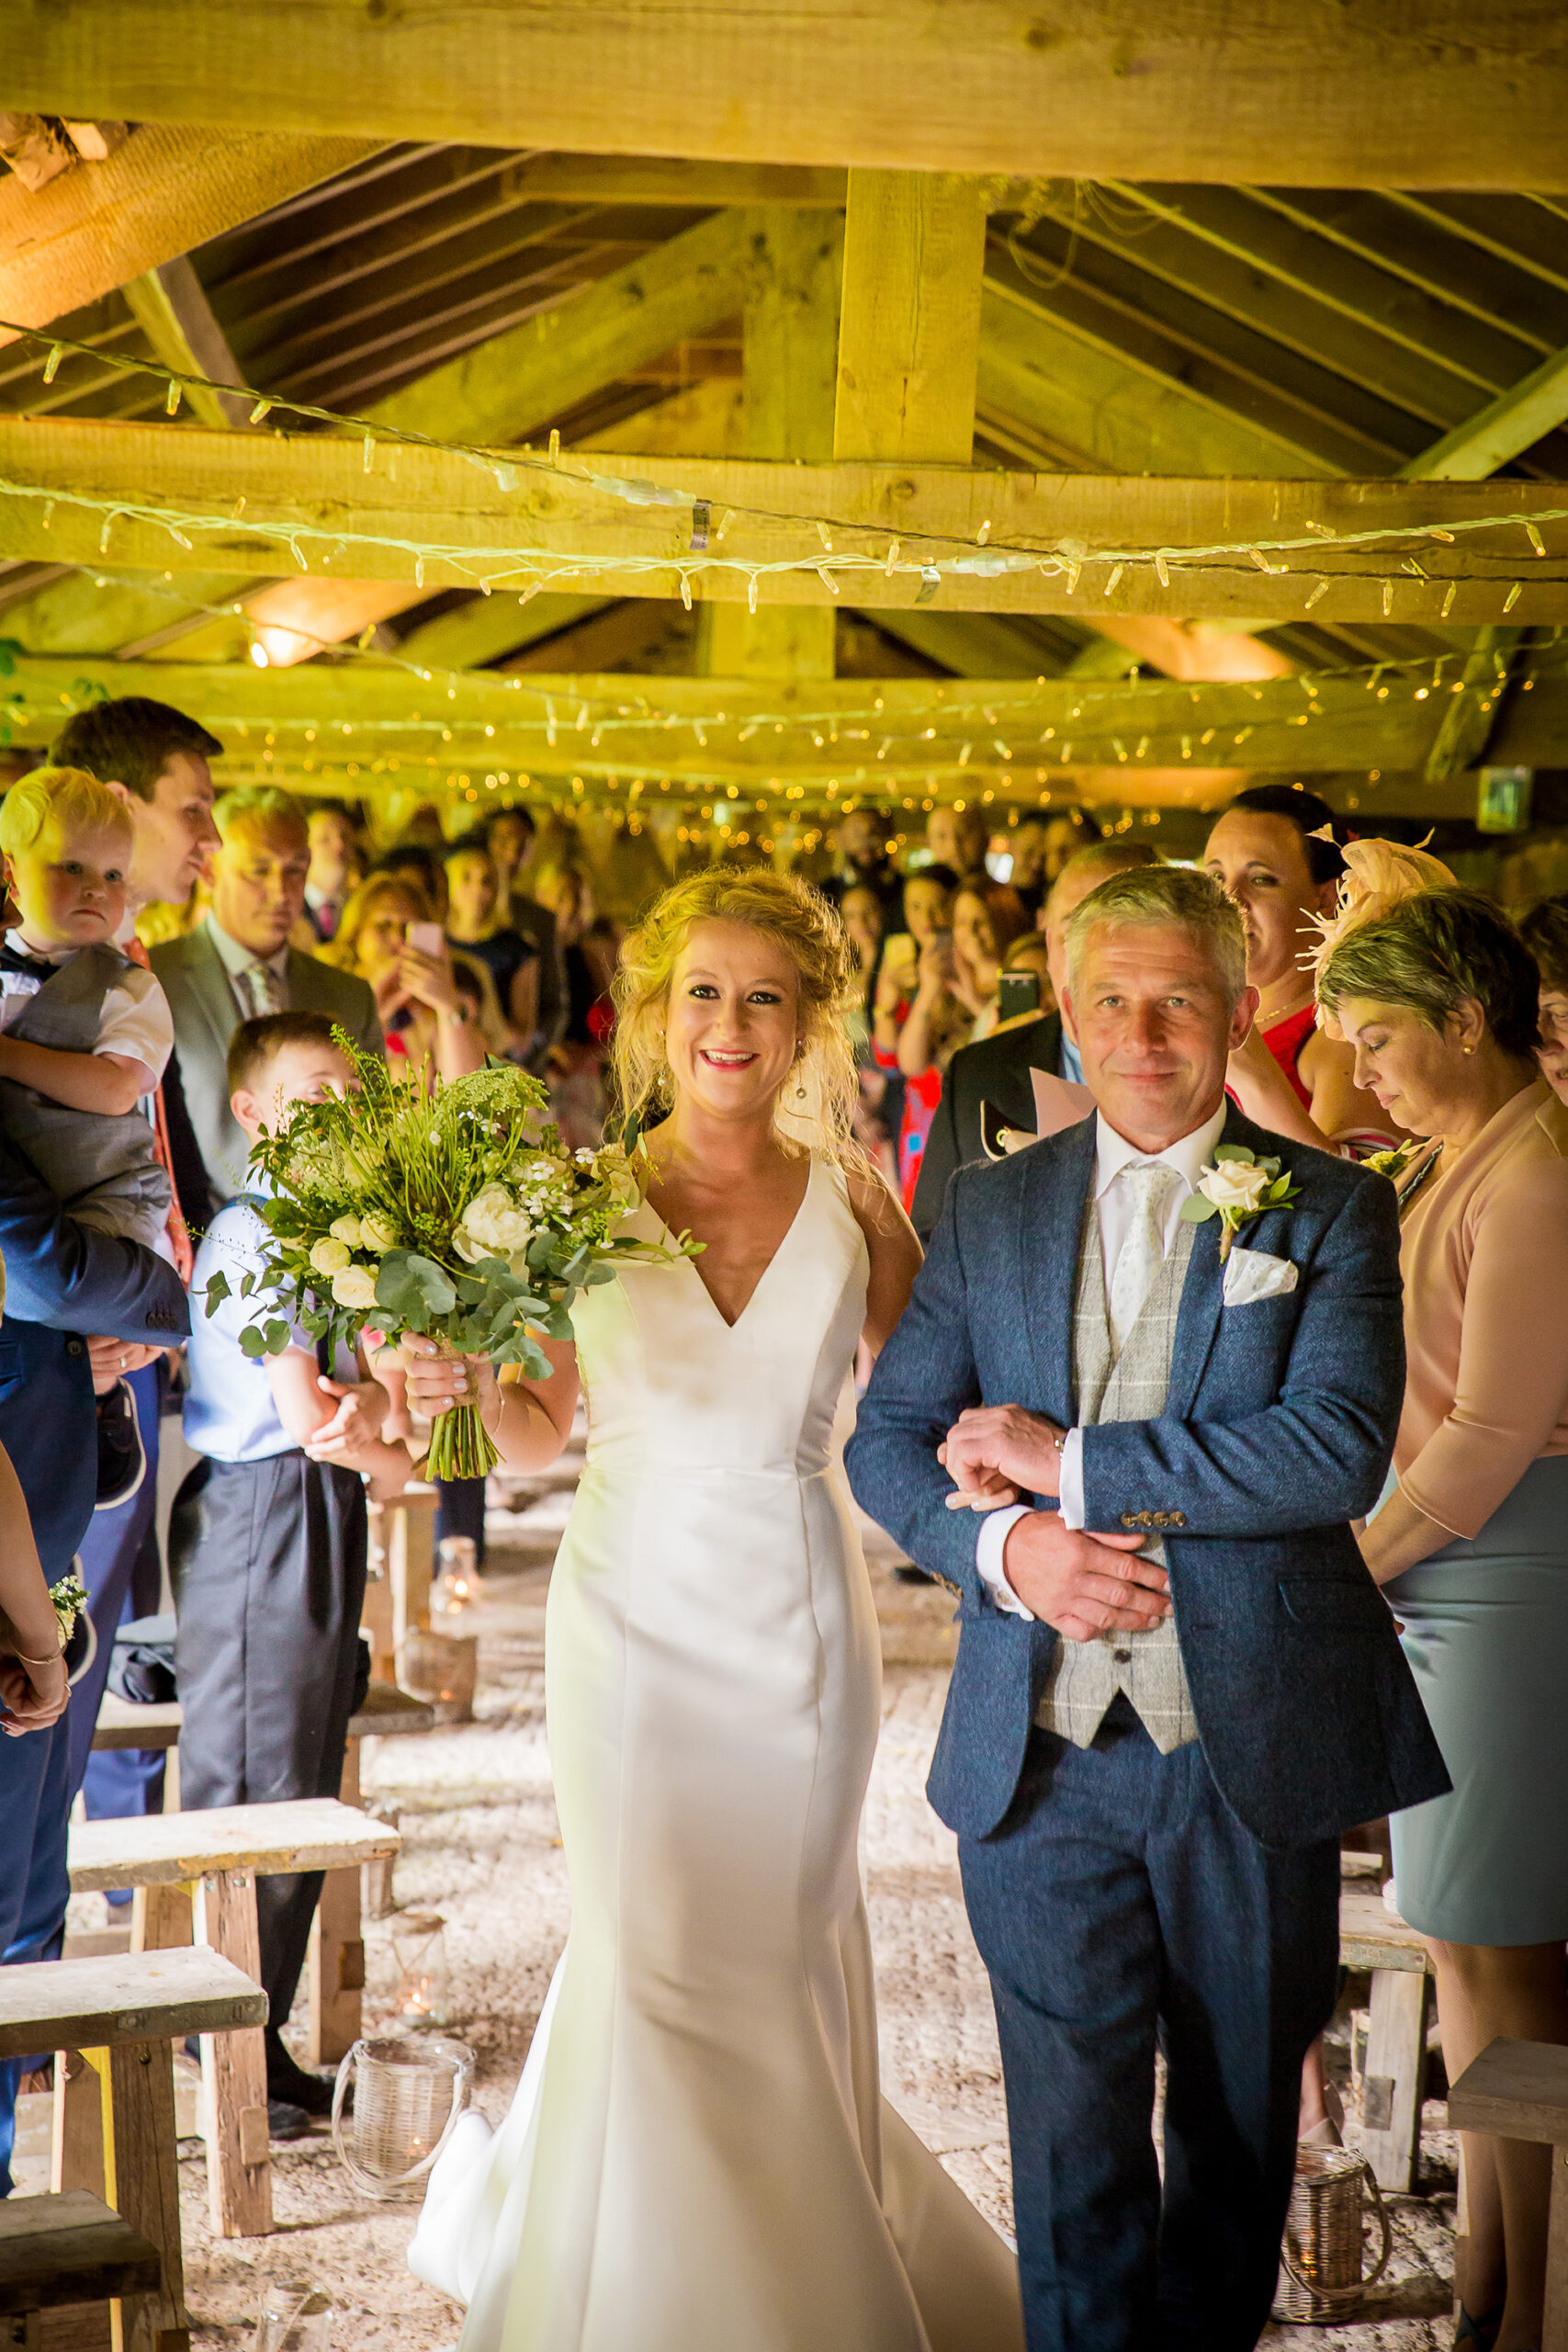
column 458, row 1218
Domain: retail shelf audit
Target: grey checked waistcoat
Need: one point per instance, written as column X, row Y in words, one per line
column 1085, row 1676
column 103, row 1166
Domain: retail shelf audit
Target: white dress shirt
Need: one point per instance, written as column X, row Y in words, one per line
column 237, row 961
column 1113, row 1155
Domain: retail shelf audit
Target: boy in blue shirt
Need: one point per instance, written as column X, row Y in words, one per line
column 269, row 1539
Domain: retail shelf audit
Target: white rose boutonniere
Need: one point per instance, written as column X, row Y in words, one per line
column 1238, row 1187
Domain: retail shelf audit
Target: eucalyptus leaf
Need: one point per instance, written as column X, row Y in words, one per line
column 217, row 1290
column 1197, row 1210
column 1233, row 1151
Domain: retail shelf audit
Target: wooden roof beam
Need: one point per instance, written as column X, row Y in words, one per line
column 173, row 314
column 245, row 500
column 885, row 736
column 162, row 192
column 1503, row 430
column 1437, row 95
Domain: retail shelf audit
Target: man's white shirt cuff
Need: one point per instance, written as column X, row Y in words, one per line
column 1069, row 1480
column 988, row 1547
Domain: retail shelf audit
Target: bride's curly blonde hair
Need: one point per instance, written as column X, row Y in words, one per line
column 815, row 1107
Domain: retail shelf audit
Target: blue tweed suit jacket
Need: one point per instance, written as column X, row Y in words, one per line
column 1278, row 1431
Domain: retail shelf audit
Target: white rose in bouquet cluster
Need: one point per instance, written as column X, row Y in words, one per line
column 377, row 1233
column 492, row 1226
column 328, row 1256
column 1238, row 1184
column 355, row 1286
column 347, row 1229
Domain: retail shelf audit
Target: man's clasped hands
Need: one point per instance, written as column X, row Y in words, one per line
column 1082, row 1584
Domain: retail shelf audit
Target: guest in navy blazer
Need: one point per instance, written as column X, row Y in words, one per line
column 62, row 1283
column 1148, row 1825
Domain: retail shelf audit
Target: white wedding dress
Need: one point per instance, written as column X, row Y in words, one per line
column 697, row 2158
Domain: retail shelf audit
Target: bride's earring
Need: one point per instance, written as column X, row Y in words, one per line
column 800, row 1089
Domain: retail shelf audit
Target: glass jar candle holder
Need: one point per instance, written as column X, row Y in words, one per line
column 456, row 1584
column 418, row 1949
column 294, row 2317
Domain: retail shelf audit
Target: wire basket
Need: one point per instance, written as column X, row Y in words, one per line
column 1321, row 2274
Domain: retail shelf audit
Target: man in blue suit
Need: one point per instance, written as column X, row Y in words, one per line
column 61, row 1282
column 1136, row 1462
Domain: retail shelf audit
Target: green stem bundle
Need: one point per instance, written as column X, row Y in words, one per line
column 460, row 1445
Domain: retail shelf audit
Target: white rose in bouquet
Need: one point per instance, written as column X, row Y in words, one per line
column 377, row 1233
column 492, row 1226
column 354, row 1287
column 347, row 1229
column 1238, row 1184
column 328, row 1257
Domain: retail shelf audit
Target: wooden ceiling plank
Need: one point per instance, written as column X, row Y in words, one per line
column 314, row 487
column 973, row 645
column 673, row 179
column 1244, row 224
column 165, row 190
column 1372, row 225
column 1238, row 365
column 519, row 380
column 371, row 207
column 908, row 349
column 489, row 628
column 1510, row 229
column 176, row 316
column 1285, row 311
column 1126, row 414
column 1501, row 431
column 1435, row 96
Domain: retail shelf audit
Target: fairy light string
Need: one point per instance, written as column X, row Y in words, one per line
column 485, row 567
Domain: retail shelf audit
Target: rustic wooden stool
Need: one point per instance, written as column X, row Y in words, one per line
column 117, row 2112
column 1395, row 2083
column 1519, row 2090
column 60, row 2257
column 195, row 1876
column 335, row 1969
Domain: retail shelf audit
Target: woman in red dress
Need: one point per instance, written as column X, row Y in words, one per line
column 1267, row 854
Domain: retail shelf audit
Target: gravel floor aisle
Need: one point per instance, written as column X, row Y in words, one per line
column 480, row 1847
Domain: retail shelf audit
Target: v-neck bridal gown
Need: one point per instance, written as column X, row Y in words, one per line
column 697, row 2158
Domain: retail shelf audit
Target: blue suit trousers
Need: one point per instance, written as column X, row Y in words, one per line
column 34, row 1808
column 1121, row 1905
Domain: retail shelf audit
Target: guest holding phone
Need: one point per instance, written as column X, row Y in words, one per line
column 388, row 938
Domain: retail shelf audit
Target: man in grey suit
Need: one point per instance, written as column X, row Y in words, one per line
column 1176, row 1682
column 238, row 964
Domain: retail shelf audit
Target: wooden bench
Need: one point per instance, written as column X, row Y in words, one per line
column 335, row 1968
column 118, row 2124
column 1394, row 2085
column 402, row 1562
column 194, row 1876
column 65, row 2256
column 1519, row 2090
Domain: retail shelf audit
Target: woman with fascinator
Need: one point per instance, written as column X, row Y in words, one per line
column 1438, row 997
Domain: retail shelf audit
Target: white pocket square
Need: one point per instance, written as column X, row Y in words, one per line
column 1253, row 1274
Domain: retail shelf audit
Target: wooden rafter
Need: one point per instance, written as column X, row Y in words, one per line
column 880, row 738
column 1435, row 96
column 1536, row 405
column 241, row 500
column 173, row 314
column 163, row 191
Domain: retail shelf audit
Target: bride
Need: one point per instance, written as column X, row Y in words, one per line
column 697, row 2158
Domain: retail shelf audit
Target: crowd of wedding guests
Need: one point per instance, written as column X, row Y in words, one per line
column 1398, row 1014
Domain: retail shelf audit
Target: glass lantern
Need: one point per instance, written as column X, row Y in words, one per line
column 419, row 1948
column 294, row 2317
column 456, row 1579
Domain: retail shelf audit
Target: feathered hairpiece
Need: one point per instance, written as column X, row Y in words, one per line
column 1377, row 876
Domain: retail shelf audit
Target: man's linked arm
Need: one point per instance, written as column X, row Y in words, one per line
column 924, row 1379
column 1315, row 1457
column 60, row 1273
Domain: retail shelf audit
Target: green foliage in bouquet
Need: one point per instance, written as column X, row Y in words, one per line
column 459, row 1214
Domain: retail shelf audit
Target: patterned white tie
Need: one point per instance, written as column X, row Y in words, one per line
column 265, row 990
column 1143, row 1251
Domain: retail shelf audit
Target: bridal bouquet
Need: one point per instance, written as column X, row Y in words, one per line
column 459, row 1214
